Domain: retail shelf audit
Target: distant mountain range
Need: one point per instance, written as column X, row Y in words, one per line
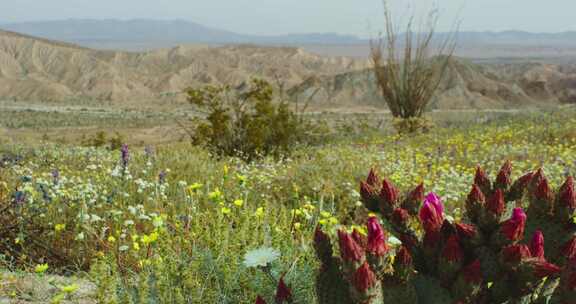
column 165, row 33
column 141, row 34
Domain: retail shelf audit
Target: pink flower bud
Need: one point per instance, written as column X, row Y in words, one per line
column 376, row 238
column 515, row 253
column 544, row 269
column 431, row 214
column 400, row 217
column 364, row 278
column 476, row 196
column 537, row 178
column 513, row 228
column 465, row 231
column 567, row 196
column 496, row 203
column 414, row 199
column 543, row 191
column 517, row 190
column 373, row 179
column 503, row 177
column 349, row 249
column 389, row 193
column 283, row 293
column 403, row 256
column 537, row 245
column 434, row 199
column 473, row 272
column 482, row 180
column 366, row 190
column 452, row 251
column 417, row 194
column 259, row 300
column 569, row 249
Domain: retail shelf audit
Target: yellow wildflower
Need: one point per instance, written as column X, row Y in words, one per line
column 59, row 227
column 41, row 268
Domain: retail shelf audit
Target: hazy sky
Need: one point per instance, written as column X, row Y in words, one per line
column 359, row 17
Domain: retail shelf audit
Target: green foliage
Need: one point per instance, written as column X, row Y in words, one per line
column 246, row 122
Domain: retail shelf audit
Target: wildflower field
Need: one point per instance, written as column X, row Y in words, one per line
column 171, row 224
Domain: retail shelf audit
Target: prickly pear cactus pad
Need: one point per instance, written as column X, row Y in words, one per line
column 516, row 243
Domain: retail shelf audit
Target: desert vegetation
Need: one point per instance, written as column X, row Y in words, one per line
column 407, row 73
column 172, row 224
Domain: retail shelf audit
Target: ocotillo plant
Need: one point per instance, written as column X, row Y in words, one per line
column 497, row 254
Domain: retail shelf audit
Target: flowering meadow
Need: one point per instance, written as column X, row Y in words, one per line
column 171, row 224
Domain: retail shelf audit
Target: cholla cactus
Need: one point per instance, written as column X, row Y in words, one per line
column 499, row 253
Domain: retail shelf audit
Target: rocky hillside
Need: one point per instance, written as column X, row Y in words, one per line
column 466, row 85
column 37, row 69
column 34, row 69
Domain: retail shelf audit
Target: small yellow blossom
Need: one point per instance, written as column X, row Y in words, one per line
column 59, row 227
column 259, row 212
column 69, row 288
column 239, row 202
column 148, row 239
column 225, row 210
column 194, row 187
column 41, row 268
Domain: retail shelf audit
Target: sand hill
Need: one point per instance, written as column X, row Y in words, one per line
column 466, row 85
column 35, row 69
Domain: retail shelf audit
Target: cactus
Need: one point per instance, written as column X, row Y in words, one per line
column 498, row 253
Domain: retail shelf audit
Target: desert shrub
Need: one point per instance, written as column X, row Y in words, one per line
column 246, row 122
column 411, row 125
column 406, row 72
column 101, row 139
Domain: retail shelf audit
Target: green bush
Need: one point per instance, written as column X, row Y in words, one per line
column 246, row 122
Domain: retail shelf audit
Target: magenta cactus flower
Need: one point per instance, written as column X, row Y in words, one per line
column 431, row 214
column 513, row 228
column 376, row 238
